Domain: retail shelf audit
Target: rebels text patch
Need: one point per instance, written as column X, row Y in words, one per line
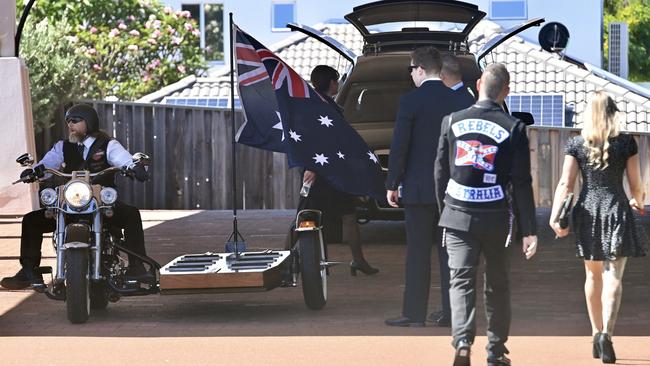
column 482, row 126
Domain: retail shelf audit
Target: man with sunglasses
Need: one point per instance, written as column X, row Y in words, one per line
column 410, row 165
column 87, row 148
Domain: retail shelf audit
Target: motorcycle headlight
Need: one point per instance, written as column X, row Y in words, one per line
column 77, row 194
column 48, row 196
column 108, row 195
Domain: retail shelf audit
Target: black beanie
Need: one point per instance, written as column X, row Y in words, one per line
column 86, row 112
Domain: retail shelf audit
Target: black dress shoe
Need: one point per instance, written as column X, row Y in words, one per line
column 21, row 280
column 607, row 354
column 440, row 319
column 403, row 321
column 136, row 271
column 499, row 361
column 463, row 350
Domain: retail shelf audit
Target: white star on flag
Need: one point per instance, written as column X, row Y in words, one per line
column 340, row 154
column 278, row 126
column 325, row 121
column 372, row 157
column 321, row 159
column 294, row 135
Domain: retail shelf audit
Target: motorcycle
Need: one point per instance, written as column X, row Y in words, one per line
column 91, row 258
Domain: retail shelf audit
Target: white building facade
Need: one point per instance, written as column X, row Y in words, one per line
column 265, row 19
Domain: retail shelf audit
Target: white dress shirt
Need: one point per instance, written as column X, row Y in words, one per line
column 116, row 154
column 430, row 79
column 457, row 86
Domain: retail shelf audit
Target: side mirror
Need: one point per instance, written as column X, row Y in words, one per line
column 141, row 158
column 525, row 117
column 25, row 159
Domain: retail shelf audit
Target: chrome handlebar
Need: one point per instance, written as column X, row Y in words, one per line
column 69, row 175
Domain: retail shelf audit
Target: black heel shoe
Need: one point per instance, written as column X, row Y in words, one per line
column 364, row 267
column 607, row 354
column 596, row 348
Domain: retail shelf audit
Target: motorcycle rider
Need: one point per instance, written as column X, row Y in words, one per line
column 87, row 148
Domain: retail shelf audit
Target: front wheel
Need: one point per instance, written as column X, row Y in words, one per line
column 314, row 276
column 77, row 293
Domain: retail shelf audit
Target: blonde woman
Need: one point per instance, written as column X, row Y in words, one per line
column 602, row 217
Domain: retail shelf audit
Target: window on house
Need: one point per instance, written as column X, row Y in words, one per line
column 282, row 12
column 209, row 16
column 508, row 9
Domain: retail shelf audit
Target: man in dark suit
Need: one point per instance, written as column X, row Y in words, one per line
column 410, row 165
column 483, row 180
column 451, row 76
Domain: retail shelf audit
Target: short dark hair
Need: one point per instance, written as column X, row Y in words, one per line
column 451, row 66
column 427, row 58
column 494, row 79
column 322, row 76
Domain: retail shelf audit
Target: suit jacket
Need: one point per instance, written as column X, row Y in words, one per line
column 415, row 137
column 465, row 96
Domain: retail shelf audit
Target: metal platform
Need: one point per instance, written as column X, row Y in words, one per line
column 223, row 272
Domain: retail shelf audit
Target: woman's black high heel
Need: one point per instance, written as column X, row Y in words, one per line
column 607, row 354
column 596, row 348
column 364, row 267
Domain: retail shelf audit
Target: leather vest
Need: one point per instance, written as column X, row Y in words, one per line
column 480, row 159
column 97, row 160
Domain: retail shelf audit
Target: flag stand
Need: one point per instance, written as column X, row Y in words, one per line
column 236, row 241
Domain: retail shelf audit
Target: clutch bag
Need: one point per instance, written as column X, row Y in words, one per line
column 565, row 211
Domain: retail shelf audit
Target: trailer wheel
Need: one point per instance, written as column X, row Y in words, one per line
column 314, row 276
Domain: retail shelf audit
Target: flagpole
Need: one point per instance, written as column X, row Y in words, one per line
column 235, row 236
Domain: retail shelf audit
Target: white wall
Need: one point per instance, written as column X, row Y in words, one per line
column 254, row 16
column 17, row 137
column 7, row 27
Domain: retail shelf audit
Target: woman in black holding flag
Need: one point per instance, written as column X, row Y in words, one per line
column 322, row 196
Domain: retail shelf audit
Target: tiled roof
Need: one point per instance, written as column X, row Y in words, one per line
column 301, row 52
column 532, row 71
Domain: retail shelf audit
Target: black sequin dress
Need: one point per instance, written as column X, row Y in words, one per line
column 603, row 221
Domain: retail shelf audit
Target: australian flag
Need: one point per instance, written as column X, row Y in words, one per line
column 284, row 114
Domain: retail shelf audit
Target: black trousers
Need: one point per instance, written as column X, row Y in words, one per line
column 465, row 249
column 35, row 224
column 422, row 233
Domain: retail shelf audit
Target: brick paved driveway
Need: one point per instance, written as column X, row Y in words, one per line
column 548, row 308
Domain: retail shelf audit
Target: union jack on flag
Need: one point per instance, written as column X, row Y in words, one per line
column 250, row 56
column 475, row 154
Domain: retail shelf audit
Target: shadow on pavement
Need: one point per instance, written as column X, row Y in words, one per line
column 547, row 293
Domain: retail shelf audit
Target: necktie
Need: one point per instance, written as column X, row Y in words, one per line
column 80, row 149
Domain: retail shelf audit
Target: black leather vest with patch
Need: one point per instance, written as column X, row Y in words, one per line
column 96, row 160
column 480, row 159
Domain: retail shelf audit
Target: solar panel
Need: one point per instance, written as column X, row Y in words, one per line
column 203, row 102
column 547, row 109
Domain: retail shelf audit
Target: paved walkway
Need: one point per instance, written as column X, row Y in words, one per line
column 550, row 325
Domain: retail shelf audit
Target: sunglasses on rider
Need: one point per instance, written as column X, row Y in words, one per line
column 413, row 67
column 73, row 120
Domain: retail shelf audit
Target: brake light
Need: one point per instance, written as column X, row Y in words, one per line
column 307, row 224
